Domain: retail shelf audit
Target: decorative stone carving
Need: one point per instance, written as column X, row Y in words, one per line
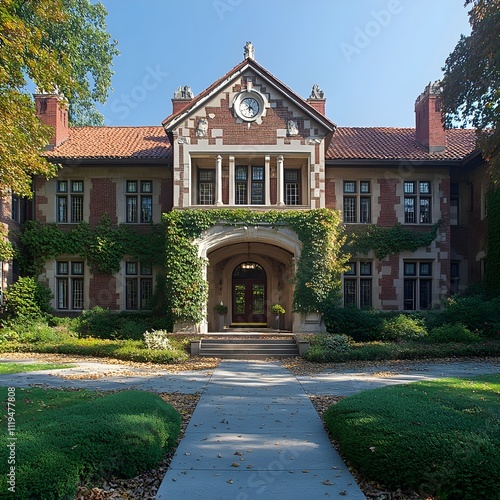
column 183, row 140
column 249, row 51
column 292, row 127
column 202, row 128
column 183, row 92
column 316, row 93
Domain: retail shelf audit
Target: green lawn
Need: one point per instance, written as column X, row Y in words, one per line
column 11, row 367
column 438, row 438
column 63, row 437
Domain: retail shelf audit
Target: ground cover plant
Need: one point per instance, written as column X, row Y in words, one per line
column 8, row 367
column 64, row 438
column 439, row 438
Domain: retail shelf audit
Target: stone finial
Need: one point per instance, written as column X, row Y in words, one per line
column 316, row 93
column 249, row 51
column 183, row 92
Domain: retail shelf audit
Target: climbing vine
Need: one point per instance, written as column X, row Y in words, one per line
column 493, row 242
column 103, row 246
column 6, row 248
column 385, row 241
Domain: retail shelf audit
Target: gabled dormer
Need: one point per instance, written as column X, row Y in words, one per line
column 249, row 141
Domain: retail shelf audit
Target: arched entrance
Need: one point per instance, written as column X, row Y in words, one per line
column 249, row 295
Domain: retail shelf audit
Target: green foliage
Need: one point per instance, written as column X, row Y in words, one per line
column 157, row 339
column 470, row 84
column 64, row 440
column 277, row 309
column 103, row 246
column 403, row 327
column 8, row 367
column 492, row 279
column 27, row 298
column 317, row 281
column 360, row 324
column 328, row 348
column 452, row 333
column 438, row 438
column 385, row 241
column 30, row 330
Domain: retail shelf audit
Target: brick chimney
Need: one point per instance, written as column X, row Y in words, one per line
column 429, row 127
column 52, row 110
column 317, row 100
column 182, row 96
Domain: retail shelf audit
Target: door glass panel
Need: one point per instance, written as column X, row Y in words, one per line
column 239, row 299
column 258, row 298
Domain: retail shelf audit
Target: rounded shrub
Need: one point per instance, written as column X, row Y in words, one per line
column 403, row 327
column 329, row 348
column 157, row 339
column 456, row 332
column 363, row 325
column 27, row 298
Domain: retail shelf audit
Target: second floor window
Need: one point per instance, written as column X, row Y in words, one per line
column 69, row 203
column 357, row 202
column 250, row 185
column 417, row 202
column 292, row 186
column 139, row 201
column 206, row 186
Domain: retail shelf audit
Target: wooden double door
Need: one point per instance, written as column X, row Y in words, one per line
column 249, row 283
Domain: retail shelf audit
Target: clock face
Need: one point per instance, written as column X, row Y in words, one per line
column 249, row 107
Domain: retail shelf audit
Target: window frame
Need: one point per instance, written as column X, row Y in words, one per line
column 357, row 286
column 417, row 202
column 70, row 284
column 138, row 285
column 417, row 285
column 70, row 198
column 357, row 201
column 139, row 201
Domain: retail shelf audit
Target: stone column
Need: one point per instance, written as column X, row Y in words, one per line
column 281, row 180
column 231, row 180
column 267, row 177
column 218, row 181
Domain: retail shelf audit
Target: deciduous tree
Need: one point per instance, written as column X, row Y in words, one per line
column 59, row 45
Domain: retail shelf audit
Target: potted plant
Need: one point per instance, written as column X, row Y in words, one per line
column 221, row 310
column 278, row 310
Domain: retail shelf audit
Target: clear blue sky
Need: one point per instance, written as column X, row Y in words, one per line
column 372, row 58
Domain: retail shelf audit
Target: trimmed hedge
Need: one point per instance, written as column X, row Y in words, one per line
column 120, row 434
column 438, row 438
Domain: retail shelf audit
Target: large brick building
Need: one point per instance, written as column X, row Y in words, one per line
column 249, row 141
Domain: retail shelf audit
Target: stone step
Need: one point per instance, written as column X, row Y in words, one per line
column 245, row 348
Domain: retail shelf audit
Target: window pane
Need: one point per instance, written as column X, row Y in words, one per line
column 77, row 268
column 77, row 186
column 349, row 209
column 409, row 295
column 425, row 269
column 146, row 292
column 257, row 173
column 241, row 193
column 131, row 294
column 241, row 173
column 365, row 268
column 454, row 189
column 410, row 269
column 425, row 210
column 364, row 186
column 349, row 186
column 206, row 193
column 76, row 208
column 131, row 186
column 291, row 175
column 350, row 292
column 62, row 293
column 425, row 187
column 351, row 270
column 206, row 174
column 292, row 193
column 62, row 268
column 409, row 188
column 365, row 206
column 146, row 187
column 131, row 267
column 410, row 210
column 257, row 193
column 62, row 186
column 454, row 211
column 131, row 209
column 365, row 293
column 146, row 269
column 77, row 293
column 454, row 269
column 62, row 209
column 146, row 209
column 425, row 294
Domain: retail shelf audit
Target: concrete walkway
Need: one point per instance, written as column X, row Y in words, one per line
column 256, row 435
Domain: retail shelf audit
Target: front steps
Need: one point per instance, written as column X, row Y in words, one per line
column 250, row 347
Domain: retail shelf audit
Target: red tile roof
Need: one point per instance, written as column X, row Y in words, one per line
column 386, row 143
column 348, row 143
column 113, row 142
